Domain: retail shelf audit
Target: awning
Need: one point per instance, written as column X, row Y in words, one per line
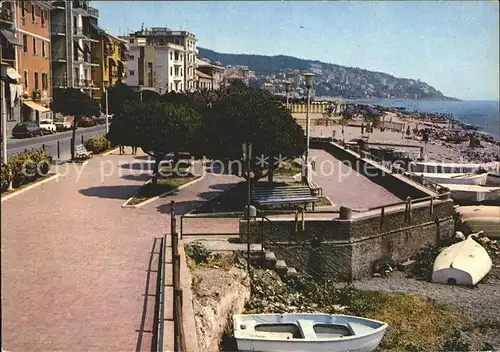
column 13, row 74
column 15, row 92
column 11, row 37
column 36, row 106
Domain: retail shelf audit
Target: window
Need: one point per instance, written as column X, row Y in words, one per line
column 44, row 54
column 131, row 57
column 45, row 81
column 131, row 41
column 25, row 44
column 23, row 9
column 25, row 79
column 34, row 46
column 131, row 73
column 43, row 15
column 176, row 56
column 35, row 81
column 33, row 18
column 171, row 57
column 171, row 70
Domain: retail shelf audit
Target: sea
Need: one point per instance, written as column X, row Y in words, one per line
column 485, row 115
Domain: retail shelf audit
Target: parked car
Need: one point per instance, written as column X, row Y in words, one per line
column 26, row 129
column 87, row 122
column 48, row 126
column 63, row 123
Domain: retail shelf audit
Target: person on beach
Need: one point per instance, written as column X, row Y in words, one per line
column 122, row 149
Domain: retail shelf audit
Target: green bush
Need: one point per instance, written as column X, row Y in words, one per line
column 97, row 144
column 28, row 166
column 198, row 252
column 6, row 177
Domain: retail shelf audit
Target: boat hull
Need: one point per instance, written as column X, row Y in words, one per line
column 457, row 179
column 362, row 344
column 482, row 218
column 435, row 167
column 303, row 332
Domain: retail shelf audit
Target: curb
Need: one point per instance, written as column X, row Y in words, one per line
column 27, row 188
column 125, row 205
column 109, row 152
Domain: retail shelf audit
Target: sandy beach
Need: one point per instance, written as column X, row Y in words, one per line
column 437, row 150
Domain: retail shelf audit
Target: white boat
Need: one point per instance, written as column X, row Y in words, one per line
column 484, row 218
column 307, row 333
column 457, row 178
column 473, row 193
column 493, row 179
column 463, row 263
column 442, row 168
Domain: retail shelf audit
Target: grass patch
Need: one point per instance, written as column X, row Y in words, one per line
column 14, row 190
column 415, row 323
column 149, row 190
column 288, row 169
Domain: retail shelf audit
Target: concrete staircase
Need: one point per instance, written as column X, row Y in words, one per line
column 267, row 259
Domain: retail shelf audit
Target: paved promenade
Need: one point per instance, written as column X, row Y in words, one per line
column 78, row 270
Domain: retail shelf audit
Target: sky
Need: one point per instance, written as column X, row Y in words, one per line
column 453, row 46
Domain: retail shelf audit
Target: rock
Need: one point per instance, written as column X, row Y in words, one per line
column 377, row 275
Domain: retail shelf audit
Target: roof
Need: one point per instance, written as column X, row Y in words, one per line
column 203, row 75
column 234, row 76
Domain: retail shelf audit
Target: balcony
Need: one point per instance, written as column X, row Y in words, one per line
column 59, row 56
column 93, row 12
column 58, row 29
column 108, row 50
column 7, row 12
column 61, row 5
column 59, row 82
column 95, row 61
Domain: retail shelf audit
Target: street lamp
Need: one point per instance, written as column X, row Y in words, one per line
column 106, row 85
column 309, row 77
column 288, row 85
column 140, row 93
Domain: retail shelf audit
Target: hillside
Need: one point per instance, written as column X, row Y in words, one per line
column 331, row 79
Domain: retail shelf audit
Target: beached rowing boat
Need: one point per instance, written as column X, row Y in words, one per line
column 458, row 179
column 307, row 332
column 463, row 263
column 473, row 193
column 484, row 218
column 440, row 168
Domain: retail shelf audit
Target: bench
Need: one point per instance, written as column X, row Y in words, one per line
column 316, row 189
column 283, row 195
column 82, row 152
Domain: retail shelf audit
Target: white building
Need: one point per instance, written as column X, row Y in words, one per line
column 162, row 60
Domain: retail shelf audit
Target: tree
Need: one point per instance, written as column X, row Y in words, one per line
column 117, row 96
column 157, row 127
column 252, row 116
column 74, row 102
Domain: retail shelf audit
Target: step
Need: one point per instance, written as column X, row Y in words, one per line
column 281, row 267
column 291, row 272
column 270, row 260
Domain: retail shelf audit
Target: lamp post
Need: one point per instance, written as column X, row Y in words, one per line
column 309, row 77
column 106, row 85
column 140, row 94
column 288, row 85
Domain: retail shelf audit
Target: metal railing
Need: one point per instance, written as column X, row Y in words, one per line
column 61, row 56
column 92, row 11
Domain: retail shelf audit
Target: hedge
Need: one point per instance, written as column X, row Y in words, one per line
column 97, row 144
column 24, row 168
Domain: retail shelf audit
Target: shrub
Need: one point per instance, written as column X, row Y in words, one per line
column 6, row 177
column 198, row 252
column 28, row 166
column 97, row 144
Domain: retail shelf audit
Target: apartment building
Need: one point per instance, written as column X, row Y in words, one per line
column 162, row 60
column 209, row 76
column 33, row 57
column 112, row 53
column 236, row 73
column 9, row 42
column 75, row 36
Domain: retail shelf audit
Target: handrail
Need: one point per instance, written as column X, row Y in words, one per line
column 293, row 240
column 163, row 258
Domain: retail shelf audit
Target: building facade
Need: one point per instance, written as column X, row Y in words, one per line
column 34, row 66
column 112, row 53
column 9, row 42
column 214, row 72
column 162, row 60
column 75, row 35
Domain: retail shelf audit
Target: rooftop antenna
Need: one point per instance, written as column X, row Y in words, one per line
column 142, row 26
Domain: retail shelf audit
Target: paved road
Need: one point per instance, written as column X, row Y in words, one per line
column 18, row 145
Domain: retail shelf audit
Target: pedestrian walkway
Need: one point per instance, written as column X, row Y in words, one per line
column 79, row 271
